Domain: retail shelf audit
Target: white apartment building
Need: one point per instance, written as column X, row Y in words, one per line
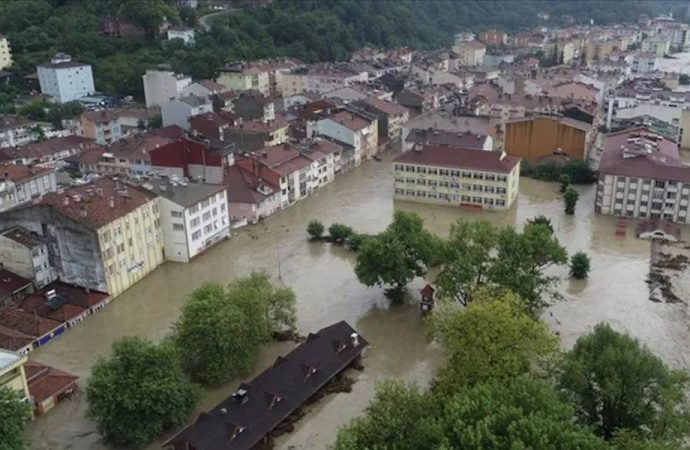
column 26, row 254
column 645, row 62
column 21, row 184
column 161, row 86
column 194, row 217
column 457, row 177
column 355, row 130
column 5, row 53
column 641, row 175
column 64, row 79
column 178, row 111
column 659, row 45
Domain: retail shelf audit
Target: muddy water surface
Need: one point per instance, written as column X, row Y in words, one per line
column 328, row 291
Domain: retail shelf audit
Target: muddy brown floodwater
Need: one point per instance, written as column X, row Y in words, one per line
column 328, row 291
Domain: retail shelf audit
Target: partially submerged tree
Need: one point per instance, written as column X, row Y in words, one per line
column 220, row 331
column 579, row 265
column 398, row 255
column 541, row 220
column 565, row 181
column 139, row 392
column 339, row 232
column 492, row 338
column 570, row 198
column 13, row 414
column 617, row 385
column 315, row 229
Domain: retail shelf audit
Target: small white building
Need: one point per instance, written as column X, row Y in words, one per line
column 178, row 111
column 184, row 33
column 356, row 130
column 64, row 79
column 21, row 184
column 645, row 62
column 26, row 253
column 194, row 217
column 5, row 53
column 161, row 86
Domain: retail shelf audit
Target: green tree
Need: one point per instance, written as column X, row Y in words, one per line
column 339, row 232
column 468, row 257
column 618, row 385
column 541, row 220
column 13, row 414
column 565, row 181
column 315, row 229
column 579, row 265
column 570, row 198
column 522, row 261
column 519, row 414
column 394, row 257
column 139, row 392
column 355, row 241
column 220, row 331
column 494, row 337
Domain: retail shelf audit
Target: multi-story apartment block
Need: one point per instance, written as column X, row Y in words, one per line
column 26, row 253
column 161, row 86
column 457, row 177
column 358, row 130
column 641, row 175
column 21, row 184
column 16, row 130
column 5, row 53
column 194, row 217
column 102, row 126
column 493, row 37
column 645, row 62
column 265, row 76
column 660, row 45
column 471, row 53
column 48, row 151
column 391, row 116
column 179, row 111
column 105, row 235
column 64, row 79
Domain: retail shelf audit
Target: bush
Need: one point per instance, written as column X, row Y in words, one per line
column 315, row 229
column 579, row 265
column 578, row 171
column 541, row 220
column 570, row 198
column 564, row 180
column 356, row 240
column 339, row 232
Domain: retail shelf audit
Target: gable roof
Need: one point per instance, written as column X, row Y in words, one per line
column 460, row 158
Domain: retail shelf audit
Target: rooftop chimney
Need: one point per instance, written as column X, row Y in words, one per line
column 354, row 339
column 65, row 201
column 111, row 201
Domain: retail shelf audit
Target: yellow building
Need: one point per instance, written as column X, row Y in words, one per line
column 5, row 53
column 457, row 177
column 105, row 235
column 12, row 375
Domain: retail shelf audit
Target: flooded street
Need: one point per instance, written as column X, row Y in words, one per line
column 328, row 291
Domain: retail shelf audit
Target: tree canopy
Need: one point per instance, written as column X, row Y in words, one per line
column 13, row 413
column 477, row 253
column 220, row 330
column 405, row 250
column 492, row 338
column 617, row 385
column 139, row 392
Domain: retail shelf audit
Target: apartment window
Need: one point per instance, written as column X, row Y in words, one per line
column 443, row 184
column 176, row 213
column 656, row 206
column 443, row 196
column 399, row 191
column 222, row 206
column 421, row 169
column 490, row 178
column 502, row 178
column 500, row 203
column 433, row 172
column 489, row 189
column 477, row 200
column 195, row 222
column 106, row 236
column 194, row 209
column 410, row 180
column 467, row 174
column 421, row 193
column 421, row 182
column 399, row 167
column 489, row 201
column 208, row 228
column 409, row 169
column 178, row 227
column 658, row 195
column 196, row 235
column 478, row 176
column 465, row 198
column 500, row 190
column 671, row 195
column 433, row 195
column 477, row 187
column 409, row 192
column 455, row 185
column 432, row 183
column 120, row 248
column 443, row 172
column 659, row 184
column 467, row 187
column 206, row 216
column 455, row 173
column 620, row 189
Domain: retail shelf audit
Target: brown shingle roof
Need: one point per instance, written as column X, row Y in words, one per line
column 10, row 283
column 37, row 303
column 19, row 173
column 89, row 204
column 27, row 323
column 101, row 116
column 460, row 158
column 46, row 382
column 14, row 340
column 350, row 120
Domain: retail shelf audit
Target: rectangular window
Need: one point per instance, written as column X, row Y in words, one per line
column 178, row 227
column 206, row 216
column 176, row 213
column 196, row 235
column 195, row 222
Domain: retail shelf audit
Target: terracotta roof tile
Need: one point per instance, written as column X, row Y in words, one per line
column 460, row 158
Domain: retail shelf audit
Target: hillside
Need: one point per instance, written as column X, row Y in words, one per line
column 313, row 30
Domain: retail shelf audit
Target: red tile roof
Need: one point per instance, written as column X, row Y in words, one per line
column 10, row 283
column 350, row 120
column 100, row 116
column 76, row 295
column 27, row 323
column 46, row 382
column 19, row 173
column 38, row 303
column 90, row 204
column 460, row 158
column 386, row 107
column 14, row 340
column 642, row 154
column 243, row 187
column 47, row 148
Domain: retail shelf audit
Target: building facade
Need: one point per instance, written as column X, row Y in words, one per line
column 161, row 86
column 539, row 137
column 105, row 235
column 194, row 217
column 351, row 129
column 457, row 177
column 5, row 53
column 179, row 111
column 102, row 126
column 641, row 175
column 21, row 184
column 26, row 254
column 12, row 375
column 64, row 79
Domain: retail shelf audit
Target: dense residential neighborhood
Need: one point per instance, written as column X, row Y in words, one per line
column 265, row 197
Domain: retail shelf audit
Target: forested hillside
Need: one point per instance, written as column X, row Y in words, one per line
column 313, row 30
